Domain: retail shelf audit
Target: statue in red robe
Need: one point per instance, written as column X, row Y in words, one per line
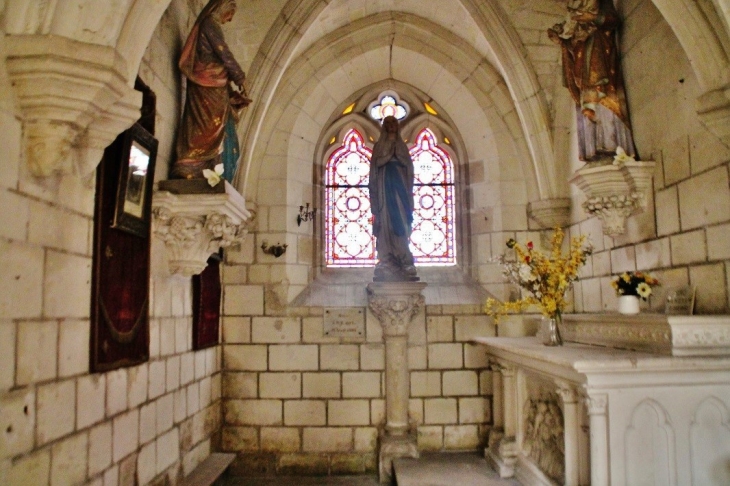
column 207, row 133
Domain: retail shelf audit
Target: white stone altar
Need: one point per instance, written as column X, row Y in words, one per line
column 584, row 414
column 395, row 304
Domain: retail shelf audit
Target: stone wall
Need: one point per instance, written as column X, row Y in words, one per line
column 682, row 238
column 60, row 424
column 298, row 402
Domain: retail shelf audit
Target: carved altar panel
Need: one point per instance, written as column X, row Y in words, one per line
column 652, row 418
column 710, row 443
column 543, row 439
column 649, row 446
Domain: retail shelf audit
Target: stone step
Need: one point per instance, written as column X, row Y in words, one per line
column 447, row 469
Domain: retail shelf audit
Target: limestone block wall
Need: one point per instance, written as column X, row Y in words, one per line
column 60, row 424
column 298, row 402
column 682, row 238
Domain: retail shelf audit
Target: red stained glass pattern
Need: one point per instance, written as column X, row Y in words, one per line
column 348, row 222
column 432, row 239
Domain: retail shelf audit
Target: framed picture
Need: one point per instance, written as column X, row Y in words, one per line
column 136, row 176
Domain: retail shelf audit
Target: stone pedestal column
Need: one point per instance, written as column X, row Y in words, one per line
column 597, row 410
column 571, row 431
column 395, row 304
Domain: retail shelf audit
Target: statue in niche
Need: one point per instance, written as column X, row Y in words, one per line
column 391, row 201
column 592, row 74
column 207, row 134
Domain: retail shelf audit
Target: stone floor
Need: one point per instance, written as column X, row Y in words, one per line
column 448, row 469
column 445, row 469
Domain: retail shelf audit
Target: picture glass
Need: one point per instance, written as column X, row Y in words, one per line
column 139, row 160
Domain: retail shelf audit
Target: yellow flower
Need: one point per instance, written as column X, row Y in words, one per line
column 644, row 290
column 544, row 277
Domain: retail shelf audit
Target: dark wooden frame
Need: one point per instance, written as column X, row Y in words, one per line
column 207, row 293
column 121, row 262
column 136, row 138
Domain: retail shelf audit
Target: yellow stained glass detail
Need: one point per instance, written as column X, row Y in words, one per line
column 447, row 141
column 333, row 140
column 430, row 109
column 348, row 110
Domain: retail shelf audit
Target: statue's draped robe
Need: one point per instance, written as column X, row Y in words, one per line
column 208, row 118
column 592, row 74
column 391, row 199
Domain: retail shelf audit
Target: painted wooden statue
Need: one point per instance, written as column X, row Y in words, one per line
column 207, row 134
column 592, row 74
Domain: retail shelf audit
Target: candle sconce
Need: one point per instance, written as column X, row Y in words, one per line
column 275, row 250
column 305, row 214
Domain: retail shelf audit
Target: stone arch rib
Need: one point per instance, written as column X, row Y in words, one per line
column 280, row 44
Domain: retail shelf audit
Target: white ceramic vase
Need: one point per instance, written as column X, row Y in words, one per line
column 628, row 304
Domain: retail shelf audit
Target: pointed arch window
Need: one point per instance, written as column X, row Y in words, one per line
column 349, row 241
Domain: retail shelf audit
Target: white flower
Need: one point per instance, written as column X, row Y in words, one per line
column 213, row 176
column 644, row 290
column 526, row 274
column 622, row 157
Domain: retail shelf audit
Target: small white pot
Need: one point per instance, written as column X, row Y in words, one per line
column 628, row 304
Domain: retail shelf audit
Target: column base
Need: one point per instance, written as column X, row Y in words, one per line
column 394, row 447
column 501, row 454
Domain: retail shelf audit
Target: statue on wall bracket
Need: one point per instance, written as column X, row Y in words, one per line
column 207, row 139
column 199, row 211
column 592, row 74
column 615, row 183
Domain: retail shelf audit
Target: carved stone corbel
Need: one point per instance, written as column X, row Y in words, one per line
column 550, row 213
column 194, row 226
column 615, row 191
column 74, row 99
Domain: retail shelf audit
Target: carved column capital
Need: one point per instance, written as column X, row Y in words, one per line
column 396, row 304
column 194, row 226
column 508, row 371
column 597, row 403
column 567, row 391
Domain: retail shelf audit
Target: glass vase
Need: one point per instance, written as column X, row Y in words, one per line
column 551, row 331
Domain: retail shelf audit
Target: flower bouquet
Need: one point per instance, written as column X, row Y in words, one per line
column 634, row 283
column 544, row 277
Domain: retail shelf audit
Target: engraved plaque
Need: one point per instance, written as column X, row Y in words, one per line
column 345, row 322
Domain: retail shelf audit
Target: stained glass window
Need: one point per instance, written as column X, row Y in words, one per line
column 348, row 221
column 388, row 104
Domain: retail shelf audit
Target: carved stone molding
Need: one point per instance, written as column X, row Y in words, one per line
column 657, row 333
column 550, row 213
column 74, row 99
column 395, row 304
column 194, row 226
column 615, row 191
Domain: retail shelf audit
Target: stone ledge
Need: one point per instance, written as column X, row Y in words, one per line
column 654, row 333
